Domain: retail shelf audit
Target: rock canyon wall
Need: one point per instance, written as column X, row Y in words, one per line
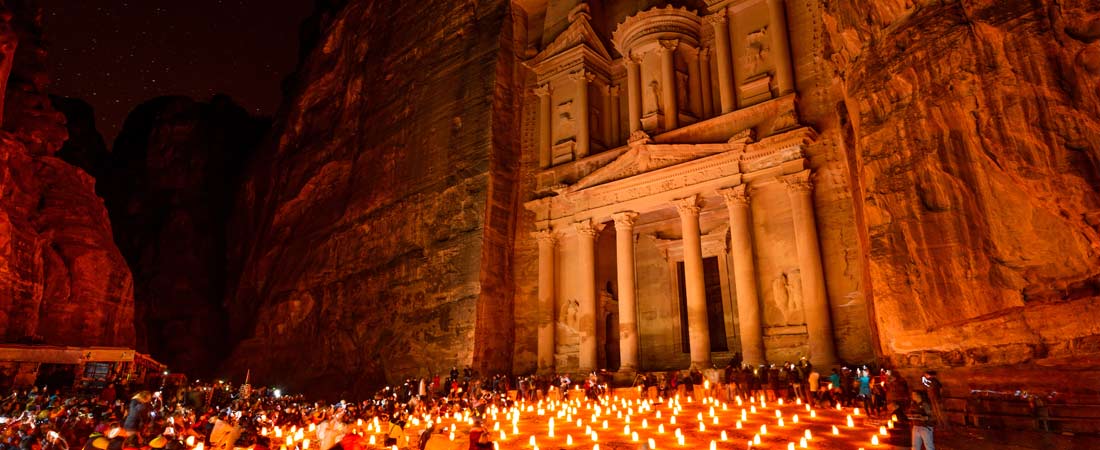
column 972, row 139
column 62, row 279
column 374, row 234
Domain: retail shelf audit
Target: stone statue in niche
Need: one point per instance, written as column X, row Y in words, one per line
column 757, row 51
column 566, row 123
column 569, row 313
column 787, row 290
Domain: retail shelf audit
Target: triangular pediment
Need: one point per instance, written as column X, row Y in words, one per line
column 644, row 158
column 580, row 32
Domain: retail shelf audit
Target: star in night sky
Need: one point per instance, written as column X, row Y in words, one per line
column 116, row 54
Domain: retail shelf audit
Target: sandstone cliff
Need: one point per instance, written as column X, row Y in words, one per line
column 374, row 239
column 972, row 141
column 169, row 188
column 62, row 279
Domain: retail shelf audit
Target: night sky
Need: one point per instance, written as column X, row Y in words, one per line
column 116, row 54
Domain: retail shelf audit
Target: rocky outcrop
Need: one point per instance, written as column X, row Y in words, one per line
column 169, row 187
column 972, row 142
column 62, row 278
column 85, row 147
column 374, row 239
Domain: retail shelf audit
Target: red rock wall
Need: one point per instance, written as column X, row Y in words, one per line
column 374, row 234
column 62, row 280
column 972, row 140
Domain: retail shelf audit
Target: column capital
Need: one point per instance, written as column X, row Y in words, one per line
column 624, row 221
column 546, row 236
column 717, row 19
column 613, row 90
column 583, row 76
column 668, row 44
column 687, row 206
column 542, row 90
column 735, row 196
column 588, row 228
column 798, row 182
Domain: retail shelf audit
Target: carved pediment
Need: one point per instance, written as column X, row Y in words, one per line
column 641, row 159
column 579, row 33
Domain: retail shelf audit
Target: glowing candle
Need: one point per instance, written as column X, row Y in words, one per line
column 780, row 422
column 738, row 424
column 595, row 437
column 790, row 446
column 874, row 439
column 778, row 414
column 713, row 445
column 645, row 424
column 569, row 439
column 780, row 402
column 661, row 429
column 289, row 441
column 813, row 413
column 850, row 423
column 855, row 412
column 680, row 439
column 531, row 441
column 503, row 436
column 744, row 416
column 652, row 444
column 634, row 436
column 702, row 426
column 305, row 444
column 794, row 419
column 835, row 431
column 672, row 420
column 756, row 439
column 752, row 409
column 807, row 435
column 764, row 429
column 714, row 420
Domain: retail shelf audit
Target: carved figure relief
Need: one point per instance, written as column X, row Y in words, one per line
column 569, row 313
column 757, row 51
column 567, row 124
column 787, row 292
column 655, row 88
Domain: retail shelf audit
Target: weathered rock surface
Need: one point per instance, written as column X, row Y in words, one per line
column 170, row 184
column 374, row 235
column 972, row 138
column 63, row 280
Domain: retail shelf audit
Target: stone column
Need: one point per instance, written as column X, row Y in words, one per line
column 667, row 52
column 694, row 285
column 547, row 305
column 628, row 311
column 616, row 132
column 605, row 117
column 744, row 274
column 723, row 57
column 781, row 50
column 586, row 270
column 634, row 93
column 545, row 139
column 818, row 321
column 582, row 77
column 704, row 75
column 695, row 103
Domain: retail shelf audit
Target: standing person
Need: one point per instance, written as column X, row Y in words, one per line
column 920, row 416
column 814, row 380
column 139, row 413
column 935, row 398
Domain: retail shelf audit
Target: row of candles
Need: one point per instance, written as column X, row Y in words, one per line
column 633, row 416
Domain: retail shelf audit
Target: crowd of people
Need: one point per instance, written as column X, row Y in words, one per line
column 221, row 416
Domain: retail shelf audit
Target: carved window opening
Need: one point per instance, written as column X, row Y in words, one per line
column 716, row 315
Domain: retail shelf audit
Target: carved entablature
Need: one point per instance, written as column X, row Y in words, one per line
column 655, row 174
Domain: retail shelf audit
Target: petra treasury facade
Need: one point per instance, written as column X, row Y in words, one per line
column 673, row 203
